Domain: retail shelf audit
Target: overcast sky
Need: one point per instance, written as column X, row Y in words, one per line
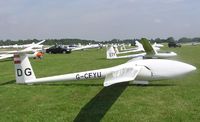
column 99, row 20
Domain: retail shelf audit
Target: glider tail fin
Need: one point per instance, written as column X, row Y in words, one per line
column 116, row 49
column 111, row 53
column 23, row 68
column 139, row 45
column 148, row 47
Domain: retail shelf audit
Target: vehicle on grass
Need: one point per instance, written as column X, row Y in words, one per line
column 150, row 52
column 58, row 49
column 173, row 44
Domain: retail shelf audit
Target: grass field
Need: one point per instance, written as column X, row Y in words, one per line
column 169, row 100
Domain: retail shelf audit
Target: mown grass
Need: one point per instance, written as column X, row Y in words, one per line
column 169, row 100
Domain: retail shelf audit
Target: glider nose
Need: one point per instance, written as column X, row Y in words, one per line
column 189, row 68
column 193, row 68
column 179, row 69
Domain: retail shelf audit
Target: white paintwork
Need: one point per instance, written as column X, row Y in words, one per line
column 157, row 45
column 137, row 49
column 140, row 70
column 113, row 51
column 111, row 54
column 10, row 54
column 24, row 45
column 5, row 56
column 24, row 65
column 165, row 55
column 83, row 47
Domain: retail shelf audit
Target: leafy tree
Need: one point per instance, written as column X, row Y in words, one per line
column 170, row 39
column 184, row 40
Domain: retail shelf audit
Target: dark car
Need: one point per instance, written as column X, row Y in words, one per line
column 58, row 49
column 173, row 44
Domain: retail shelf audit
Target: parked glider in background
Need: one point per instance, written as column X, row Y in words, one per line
column 111, row 54
column 22, row 46
column 139, row 71
column 123, row 47
column 17, row 46
column 138, row 49
column 157, row 45
column 150, row 52
column 83, row 47
column 37, row 52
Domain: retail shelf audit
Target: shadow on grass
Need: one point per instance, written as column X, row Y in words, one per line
column 69, row 84
column 97, row 107
column 89, row 84
column 7, row 83
column 101, row 58
column 152, row 85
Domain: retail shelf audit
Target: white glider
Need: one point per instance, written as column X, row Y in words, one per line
column 157, row 45
column 10, row 54
column 139, row 48
column 111, row 54
column 83, row 47
column 124, row 50
column 21, row 46
column 134, row 70
column 150, row 52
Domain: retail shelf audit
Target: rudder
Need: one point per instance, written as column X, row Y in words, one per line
column 110, row 53
column 147, row 47
column 23, row 68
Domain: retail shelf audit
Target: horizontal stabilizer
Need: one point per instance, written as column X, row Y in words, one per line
column 121, row 75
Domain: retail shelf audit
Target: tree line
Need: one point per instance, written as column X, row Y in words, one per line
column 84, row 41
column 157, row 40
column 47, row 42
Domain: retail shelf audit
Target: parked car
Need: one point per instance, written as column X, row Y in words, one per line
column 173, row 44
column 58, row 49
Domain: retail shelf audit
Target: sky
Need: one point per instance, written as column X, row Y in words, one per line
column 99, row 20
